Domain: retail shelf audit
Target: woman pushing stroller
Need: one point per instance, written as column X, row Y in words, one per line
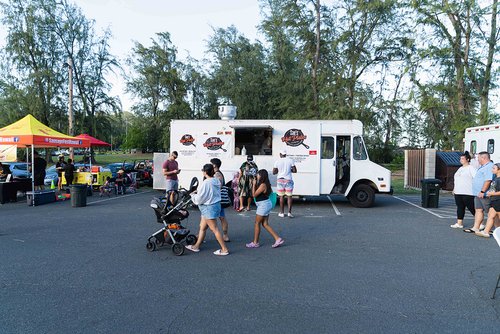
column 208, row 200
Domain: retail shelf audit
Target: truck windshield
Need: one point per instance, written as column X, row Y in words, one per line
column 358, row 148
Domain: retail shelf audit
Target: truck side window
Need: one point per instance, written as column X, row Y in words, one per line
column 473, row 147
column 491, row 146
column 327, row 147
column 358, row 148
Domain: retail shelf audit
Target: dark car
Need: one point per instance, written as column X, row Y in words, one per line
column 142, row 168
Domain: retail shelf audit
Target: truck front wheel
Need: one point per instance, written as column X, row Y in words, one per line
column 362, row 196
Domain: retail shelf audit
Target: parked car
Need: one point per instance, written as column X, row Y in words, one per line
column 143, row 168
column 19, row 170
column 115, row 167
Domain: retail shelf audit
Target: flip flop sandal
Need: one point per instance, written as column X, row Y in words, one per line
column 469, row 230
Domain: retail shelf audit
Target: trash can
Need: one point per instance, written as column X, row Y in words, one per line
column 430, row 192
column 78, row 195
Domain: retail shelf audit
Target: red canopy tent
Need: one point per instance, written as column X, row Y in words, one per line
column 93, row 141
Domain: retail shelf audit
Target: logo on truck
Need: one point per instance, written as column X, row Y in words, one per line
column 214, row 144
column 187, row 140
column 294, row 137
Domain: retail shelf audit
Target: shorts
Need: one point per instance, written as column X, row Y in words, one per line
column 264, row 207
column 482, row 203
column 222, row 212
column 284, row 187
column 495, row 205
column 172, row 185
column 210, row 211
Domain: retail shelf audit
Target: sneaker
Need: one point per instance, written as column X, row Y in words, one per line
column 281, row 214
column 290, row 215
column 190, row 247
column 481, row 227
column 278, row 243
column 482, row 234
column 219, row 252
column 252, row 245
column 456, row 226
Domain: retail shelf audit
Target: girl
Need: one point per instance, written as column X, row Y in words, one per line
column 208, row 200
column 463, row 189
column 261, row 189
column 494, row 195
column 234, row 185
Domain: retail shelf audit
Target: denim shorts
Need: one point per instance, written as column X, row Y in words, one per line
column 210, row 211
column 264, row 207
column 222, row 212
column 172, row 185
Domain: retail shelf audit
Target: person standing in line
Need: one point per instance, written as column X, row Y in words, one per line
column 60, row 170
column 284, row 167
column 261, row 189
column 39, row 171
column 208, row 198
column 480, row 185
column 170, row 170
column 248, row 170
column 462, row 190
column 69, row 172
column 216, row 162
column 494, row 195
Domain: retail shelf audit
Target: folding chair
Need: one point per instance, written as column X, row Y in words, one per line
column 496, row 234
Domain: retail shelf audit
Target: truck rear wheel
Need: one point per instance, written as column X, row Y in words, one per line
column 362, row 196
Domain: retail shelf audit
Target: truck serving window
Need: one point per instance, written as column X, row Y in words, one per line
column 253, row 140
column 358, row 149
column 491, row 146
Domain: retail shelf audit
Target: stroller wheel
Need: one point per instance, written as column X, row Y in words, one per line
column 191, row 239
column 159, row 242
column 178, row 249
column 150, row 246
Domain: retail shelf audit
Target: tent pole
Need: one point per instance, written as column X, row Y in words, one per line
column 32, row 175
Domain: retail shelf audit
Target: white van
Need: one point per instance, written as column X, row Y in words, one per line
column 330, row 156
column 483, row 138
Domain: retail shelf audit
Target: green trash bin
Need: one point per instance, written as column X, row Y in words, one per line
column 430, row 192
column 78, row 195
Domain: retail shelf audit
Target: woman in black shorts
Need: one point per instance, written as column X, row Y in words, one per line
column 494, row 195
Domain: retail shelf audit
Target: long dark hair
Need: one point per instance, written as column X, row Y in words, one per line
column 209, row 169
column 264, row 179
column 467, row 156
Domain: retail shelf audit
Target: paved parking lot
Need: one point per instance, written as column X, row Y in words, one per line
column 393, row 268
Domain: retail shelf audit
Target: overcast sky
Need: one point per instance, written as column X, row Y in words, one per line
column 189, row 23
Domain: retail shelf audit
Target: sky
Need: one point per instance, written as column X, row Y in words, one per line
column 189, row 23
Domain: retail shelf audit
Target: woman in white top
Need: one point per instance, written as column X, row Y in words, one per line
column 208, row 200
column 463, row 189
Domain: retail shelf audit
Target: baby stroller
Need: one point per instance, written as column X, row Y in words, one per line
column 172, row 232
column 129, row 184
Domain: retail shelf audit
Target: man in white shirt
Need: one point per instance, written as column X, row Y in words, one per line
column 284, row 167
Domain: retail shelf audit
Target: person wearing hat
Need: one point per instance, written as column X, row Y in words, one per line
column 284, row 167
column 60, row 169
column 120, row 179
column 248, row 171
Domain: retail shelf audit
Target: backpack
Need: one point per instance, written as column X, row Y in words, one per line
column 226, row 196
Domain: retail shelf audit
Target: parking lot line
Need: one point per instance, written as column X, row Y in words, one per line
column 333, row 206
column 429, row 211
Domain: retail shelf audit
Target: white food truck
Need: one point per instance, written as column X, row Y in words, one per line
column 330, row 156
column 483, row 138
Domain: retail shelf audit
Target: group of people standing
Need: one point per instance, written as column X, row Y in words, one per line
column 252, row 184
column 66, row 168
column 477, row 188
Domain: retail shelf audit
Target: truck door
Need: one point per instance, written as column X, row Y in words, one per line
column 327, row 172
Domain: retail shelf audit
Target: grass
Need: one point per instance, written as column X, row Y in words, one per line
column 104, row 159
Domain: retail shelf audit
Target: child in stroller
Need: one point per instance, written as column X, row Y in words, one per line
column 171, row 215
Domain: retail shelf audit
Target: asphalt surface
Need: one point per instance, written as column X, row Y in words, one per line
column 392, row 268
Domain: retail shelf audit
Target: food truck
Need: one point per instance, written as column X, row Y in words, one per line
column 330, row 155
column 483, row 138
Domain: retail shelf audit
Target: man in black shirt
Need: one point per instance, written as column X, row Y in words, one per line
column 39, row 171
